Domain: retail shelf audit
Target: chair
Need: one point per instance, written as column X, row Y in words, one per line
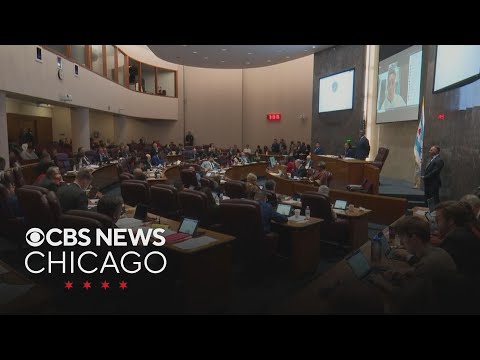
column 63, row 162
column 105, row 221
column 189, row 178
column 10, row 226
column 381, row 157
column 332, row 232
column 76, row 222
column 366, row 187
column 40, row 206
column 135, row 192
column 164, row 201
column 272, row 198
column 207, row 182
column 18, row 177
column 252, row 248
column 235, row 189
column 194, row 204
column 126, row 176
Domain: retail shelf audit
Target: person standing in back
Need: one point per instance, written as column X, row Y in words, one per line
column 431, row 177
column 189, row 139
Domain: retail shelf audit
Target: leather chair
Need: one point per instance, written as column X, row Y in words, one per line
column 381, row 157
column 79, row 222
column 105, row 221
column 366, row 187
column 164, row 201
column 332, row 232
column 40, row 209
column 63, row 162
column 195, row 205
column 135, row 192
column 272, row 198
column 189, row 178
column 126, row 176
column 207, row 182
column 235, row 189
column 10, row 226
column 252, row 248
column 18, row 177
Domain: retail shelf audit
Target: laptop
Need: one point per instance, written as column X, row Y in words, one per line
column 284, row 209
column 186, row 230
column 359, row 264
column 141, row 212
column 340, row 205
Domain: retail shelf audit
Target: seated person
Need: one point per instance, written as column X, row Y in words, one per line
column 251, row 185
column 268, row 213
column 111, row 206
column 415, row 291
column 148, row 162
column 265, row 150
column 212, row 201
column 11, row 200
column 244, row 158
column 139, row 175
column 348, row 152
column 325, row 191
column 270, row 186
column 247, row 151
column 259, row 150
column 74, row 195
column 321, row 176
column 28, row 153
column 44, row 164
column 82, row 158
column 209, row 164
column 13, row 159
column 102, row 155
column 157, row 161
column 309, row 163
column 300, row 171
column 291, row 165
column 52, row 180
column 197, row 175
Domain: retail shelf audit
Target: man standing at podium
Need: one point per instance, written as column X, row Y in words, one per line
column 363, row 147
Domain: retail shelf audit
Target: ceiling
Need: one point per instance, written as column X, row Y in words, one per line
column 233, row 56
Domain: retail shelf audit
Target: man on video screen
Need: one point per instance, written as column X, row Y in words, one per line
column 393, row 99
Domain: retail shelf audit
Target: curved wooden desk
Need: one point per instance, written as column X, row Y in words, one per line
column 346, row 172
column 103, row 176
column 240, row 172
column 172, row 173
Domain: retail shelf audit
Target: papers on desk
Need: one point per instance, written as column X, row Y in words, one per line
column 292, row 202
column 301, row 218
column 92, row 203
column 194, row 243
column 8, row 292
column 421, row 212
column 129, row 223
column 223, row 182
column 348, row 158
column 92, row 166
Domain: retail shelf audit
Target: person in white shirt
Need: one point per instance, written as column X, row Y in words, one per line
column 28, row 153
column 247, row 150
column 392, row 99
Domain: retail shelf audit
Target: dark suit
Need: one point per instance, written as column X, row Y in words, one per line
column 300, row 172
column 363, row 148
column 49, row 184
column 71, row 197
column 349, row 153
column 432, row 180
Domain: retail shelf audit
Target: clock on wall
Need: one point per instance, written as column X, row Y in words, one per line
column 60, row 74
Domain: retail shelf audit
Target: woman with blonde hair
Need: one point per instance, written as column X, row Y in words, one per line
column 251, row 185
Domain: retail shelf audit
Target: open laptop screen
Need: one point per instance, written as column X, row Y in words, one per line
column 284, row 209
column 188, row 226
column 340, row 204
column 359, row 264
column 273, row 162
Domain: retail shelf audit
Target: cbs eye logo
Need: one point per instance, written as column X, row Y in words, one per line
column 35, row 237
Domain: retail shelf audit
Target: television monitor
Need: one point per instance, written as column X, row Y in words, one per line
column 336, row 91
column 399, row 77
column 456, row 65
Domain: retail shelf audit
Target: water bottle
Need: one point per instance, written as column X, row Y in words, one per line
column 376, row 250
column 307, row 213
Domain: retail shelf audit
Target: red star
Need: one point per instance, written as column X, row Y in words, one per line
column 87, row 285
column 105, row 285
column 123, row 285
column 68, row 285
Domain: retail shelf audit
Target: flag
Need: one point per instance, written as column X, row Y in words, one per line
column 418, row 147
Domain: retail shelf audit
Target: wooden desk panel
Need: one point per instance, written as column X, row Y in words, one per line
column 240, row 172
column 172, row 173
column 103, row 176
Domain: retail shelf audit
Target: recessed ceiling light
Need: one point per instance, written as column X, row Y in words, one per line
column 224, row 49
column 206, row 57
column 313, row 47
column 195, row 52
column 250, row 53
column 269, row 60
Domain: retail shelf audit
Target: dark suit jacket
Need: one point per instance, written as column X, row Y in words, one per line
column 432, row 172
column 300, row 172
column 463, row 246
column 71, row 197
column 363, row 148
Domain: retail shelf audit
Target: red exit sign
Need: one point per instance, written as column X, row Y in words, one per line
column 274, row 117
